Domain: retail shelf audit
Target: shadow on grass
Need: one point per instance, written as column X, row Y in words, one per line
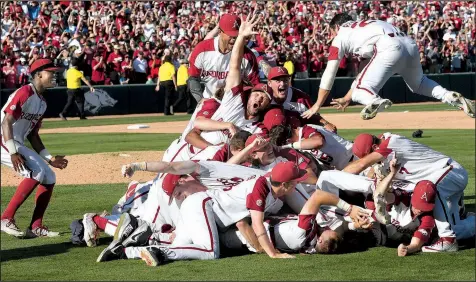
column 46, row 250
column 36, row 251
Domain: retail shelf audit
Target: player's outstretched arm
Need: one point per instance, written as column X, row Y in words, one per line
column 193, row 138
column 177, row 168
column 247, row 232
column 257, row 218
column 415, row 246
column 320, row 198
column 242, row 155
column 206, row 124
column 358, row 166
column 246, row 31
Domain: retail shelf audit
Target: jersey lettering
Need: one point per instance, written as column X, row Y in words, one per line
column 230, row 182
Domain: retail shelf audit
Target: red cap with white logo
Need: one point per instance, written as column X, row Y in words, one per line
column 276, row 72
column 424, row 196
column 230, row 24
column 287, row 171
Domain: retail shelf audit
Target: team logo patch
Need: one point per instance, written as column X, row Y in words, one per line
column 13, row 107
column 281, row 70
column 205, row 112
column 424, row 197
column 423, row 232
column 259, row 203
column 236, row 24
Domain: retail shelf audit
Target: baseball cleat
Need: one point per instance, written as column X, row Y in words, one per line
column 371, row 110
column 9, row 226
column 127, row 224
column 152, row 256
column 445, row 244
column 40, row 231
column 114, row 251
column 90, row 229
column 458, row 100
column 139, row 237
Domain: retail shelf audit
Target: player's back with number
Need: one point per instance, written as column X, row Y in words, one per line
column 360, row 37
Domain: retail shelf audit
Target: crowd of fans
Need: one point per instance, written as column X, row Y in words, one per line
column 125, row 42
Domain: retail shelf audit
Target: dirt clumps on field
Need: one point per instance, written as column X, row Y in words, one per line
column 93, row 168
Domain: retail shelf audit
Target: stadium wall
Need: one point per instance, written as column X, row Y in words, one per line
column 136, row 99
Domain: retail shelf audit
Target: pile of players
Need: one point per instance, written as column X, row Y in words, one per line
column 257, row 171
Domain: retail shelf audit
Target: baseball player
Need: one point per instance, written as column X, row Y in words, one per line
column 412, row 221
column 390, row 52
column 293, row 100
column 419, row 162
column 239, row 108
column 326, row 147
column 21, row 119
column 211, row 60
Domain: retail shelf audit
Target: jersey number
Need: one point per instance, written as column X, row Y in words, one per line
column 361, row 23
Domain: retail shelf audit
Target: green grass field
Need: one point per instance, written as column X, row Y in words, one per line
column 57, row 259
column 49, row 124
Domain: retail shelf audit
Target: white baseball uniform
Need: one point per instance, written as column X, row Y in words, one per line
column 27, row 107
column 212, row 66
column 206, row 108
column 135, row 196
column 419, row 162
column 291, row 233
column 336, row 150
column 390, row 50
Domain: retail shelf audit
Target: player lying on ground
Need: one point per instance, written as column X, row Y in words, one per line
column 228, row 206
column 390, row 52
column 21, row 119
column 419, row 162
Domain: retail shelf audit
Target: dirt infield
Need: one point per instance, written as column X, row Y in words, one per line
column 93, row 168
column 105, row 167
column 394, row 120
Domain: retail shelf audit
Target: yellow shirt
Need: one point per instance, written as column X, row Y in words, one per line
column 289, row 66
column 73, row 78
column 182, row 75
column 166, row 71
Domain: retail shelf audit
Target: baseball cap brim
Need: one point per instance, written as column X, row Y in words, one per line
column 231, row 33
column 302, row 175
column 278, row 75
column 53, row 69
column 423, row 206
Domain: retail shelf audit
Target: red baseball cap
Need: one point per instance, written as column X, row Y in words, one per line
column 287, row 171
column 169, row 183
column 261, row 87
column 253, row 137
column 274, row 117
column 230, row 24
column 362, row 145
column 43, row 65
column 424, row 196
column 277, row 72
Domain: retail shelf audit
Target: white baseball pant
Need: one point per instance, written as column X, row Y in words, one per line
column 450, row 189
column 135, row 196
column 197, row 236
column 333, row 180
column 394, row 55
column 36, row 168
